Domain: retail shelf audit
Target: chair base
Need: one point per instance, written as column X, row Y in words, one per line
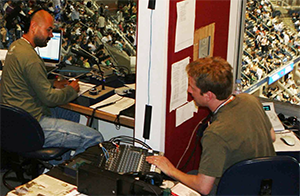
column 7, row 177
column 3, row 158
column 31, row 168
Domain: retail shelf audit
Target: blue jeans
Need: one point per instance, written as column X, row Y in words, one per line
column 65, row 133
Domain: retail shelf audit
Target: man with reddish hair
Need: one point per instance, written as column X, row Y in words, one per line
column 239, row 129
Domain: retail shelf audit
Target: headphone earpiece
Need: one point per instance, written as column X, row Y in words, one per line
column 27, row 21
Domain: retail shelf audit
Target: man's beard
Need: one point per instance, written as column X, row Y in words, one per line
column 41, row 42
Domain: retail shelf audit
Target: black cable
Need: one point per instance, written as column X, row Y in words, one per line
column 199, row 134
column 152, row 189
column 117, row 122
column 133, row 185
column 94, row 110
column 204, row 125
column 137, row 141
column 129, row 140
column 101, row 106
column 192, row 153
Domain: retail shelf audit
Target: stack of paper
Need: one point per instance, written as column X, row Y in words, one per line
column 47, row 186
column 83, row 87
column 116, row 104
column 182, row 190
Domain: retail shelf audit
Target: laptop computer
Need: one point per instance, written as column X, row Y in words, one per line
column 51, row 54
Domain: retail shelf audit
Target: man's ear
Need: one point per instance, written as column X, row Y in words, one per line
column 210, row 96
column 33, row 26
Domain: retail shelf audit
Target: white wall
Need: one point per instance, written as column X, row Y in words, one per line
column 158, row 71
column 108, row 129
column 234, row 33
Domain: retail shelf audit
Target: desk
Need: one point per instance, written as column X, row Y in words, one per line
column 283, row 149
column 81, row 105
column 124, row 120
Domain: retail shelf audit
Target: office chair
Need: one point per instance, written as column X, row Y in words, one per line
column 22, row 140
column 278, row 175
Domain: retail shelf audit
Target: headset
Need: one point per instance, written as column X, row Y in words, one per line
column 28, row 19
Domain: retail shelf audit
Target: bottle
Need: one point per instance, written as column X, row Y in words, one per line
column 237, row 87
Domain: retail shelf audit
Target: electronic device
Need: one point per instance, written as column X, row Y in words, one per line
column 124, row 90
column 93, row 180
column 153, row 178
column 288, row 140
column 51, row 54
column 126, row 158
column 122, row 159
column 275, row 121
column 115, row 169
column 72, row 167
column 291, row 123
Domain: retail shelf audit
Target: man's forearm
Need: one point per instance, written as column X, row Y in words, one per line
column 201, row 183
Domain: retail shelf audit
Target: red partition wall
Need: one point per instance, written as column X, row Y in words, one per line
column 207, row 12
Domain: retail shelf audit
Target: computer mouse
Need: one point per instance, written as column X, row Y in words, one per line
column 288, row 140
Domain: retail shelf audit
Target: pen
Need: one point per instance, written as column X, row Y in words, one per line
column 102, row 106
column 72, row 79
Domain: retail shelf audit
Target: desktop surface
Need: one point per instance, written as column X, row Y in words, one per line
column 82, row 103
column 283, row 149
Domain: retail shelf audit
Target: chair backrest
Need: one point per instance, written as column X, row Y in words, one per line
column 278, row 175
column 20, row 131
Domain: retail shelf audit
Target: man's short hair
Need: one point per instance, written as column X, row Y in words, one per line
column 212, row 74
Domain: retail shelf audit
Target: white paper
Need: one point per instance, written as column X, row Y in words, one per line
column 3, row 53
column 184, row 113
column 83, row 87
column 182, row 190
column 45, row 185
column 131, row 86
column 121, row 103
column 280, row 146
column 179, row 84
column 185, row 25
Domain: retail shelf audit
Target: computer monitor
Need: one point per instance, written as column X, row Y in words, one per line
column 52, row 52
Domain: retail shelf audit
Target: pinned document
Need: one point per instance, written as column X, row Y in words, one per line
column 185, row 25
column 179, row 84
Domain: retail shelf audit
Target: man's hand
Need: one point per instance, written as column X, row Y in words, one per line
column 162, row 163
column 60, row 83
column 75, row 85
column 201, row 183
